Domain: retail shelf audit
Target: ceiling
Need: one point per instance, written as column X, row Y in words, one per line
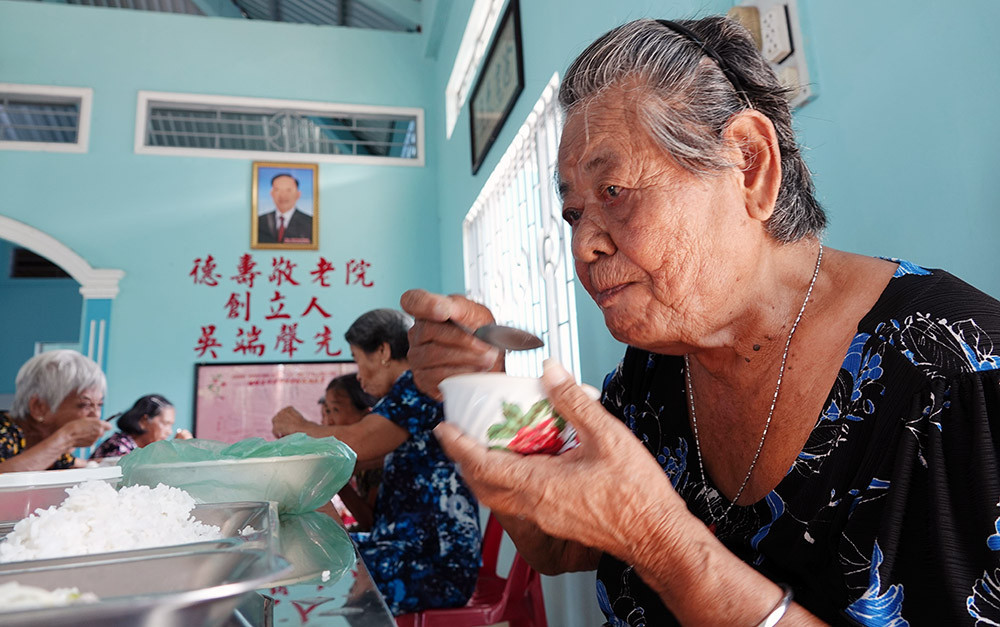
column 390, row 15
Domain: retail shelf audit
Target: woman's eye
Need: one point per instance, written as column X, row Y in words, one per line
column 572, row 216
column 611, row 193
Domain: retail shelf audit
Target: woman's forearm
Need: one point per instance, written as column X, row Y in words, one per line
column 700, row 580
column 546, row 554
column 41, row 456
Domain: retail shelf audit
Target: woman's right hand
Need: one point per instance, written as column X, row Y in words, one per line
column 83, row 432
column 439, row 349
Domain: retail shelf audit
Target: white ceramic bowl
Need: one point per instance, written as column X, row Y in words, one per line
column 507, row 412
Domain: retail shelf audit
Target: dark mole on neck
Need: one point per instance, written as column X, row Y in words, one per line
column 756, row 347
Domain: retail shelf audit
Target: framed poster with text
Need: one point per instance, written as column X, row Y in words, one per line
column 236, row 401
column 499, row 84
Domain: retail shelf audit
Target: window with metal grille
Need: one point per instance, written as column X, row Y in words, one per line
column 43, row 117
column 242, row 128
column 518, row 260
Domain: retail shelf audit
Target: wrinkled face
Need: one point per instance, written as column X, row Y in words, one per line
column 372, row 373
column 81, row 404
column 339, row 410
column 161, row 426
column 650, row 240
column 285, row 193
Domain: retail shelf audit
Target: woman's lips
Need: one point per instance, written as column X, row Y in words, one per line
column 605, row 297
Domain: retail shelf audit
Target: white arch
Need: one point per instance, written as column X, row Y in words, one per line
column 94, row 283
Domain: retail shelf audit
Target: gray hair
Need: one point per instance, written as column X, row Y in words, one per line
column 371, row 329
column 51, row 377
column 688, row 102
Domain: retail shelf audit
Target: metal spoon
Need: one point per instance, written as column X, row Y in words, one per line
column 507, row 338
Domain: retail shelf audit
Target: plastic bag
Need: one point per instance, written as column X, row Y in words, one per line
column 298, row 472
column 317, row 546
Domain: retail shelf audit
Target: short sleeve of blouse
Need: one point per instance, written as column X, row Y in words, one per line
column 11, row 438
column 408, row 407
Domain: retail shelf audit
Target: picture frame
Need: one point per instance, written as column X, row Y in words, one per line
column 289, row 190
column 235, row 401
column 498, row 86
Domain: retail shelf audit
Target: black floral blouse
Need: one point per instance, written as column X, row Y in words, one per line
column 890, row 515
column 12, row 442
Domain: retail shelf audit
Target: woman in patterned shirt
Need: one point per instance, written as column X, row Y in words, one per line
column 150, row 419
column 57, row 407
column 794, row 434
column 424, row 547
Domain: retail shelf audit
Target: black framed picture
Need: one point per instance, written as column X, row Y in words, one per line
column 499, row 84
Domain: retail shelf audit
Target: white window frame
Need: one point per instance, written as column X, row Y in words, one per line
column 518, row 256
column 146, row 98
column 478, row 31
column 85, row 96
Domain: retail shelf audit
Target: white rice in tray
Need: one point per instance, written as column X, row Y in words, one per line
column 95, row 518
column 14, row 597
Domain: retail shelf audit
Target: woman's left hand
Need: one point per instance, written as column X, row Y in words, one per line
column 183, row 434
column 288, row 421
column 608, row 493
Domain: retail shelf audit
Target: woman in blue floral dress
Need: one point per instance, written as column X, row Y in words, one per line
column 424, row 547
column 796, row 435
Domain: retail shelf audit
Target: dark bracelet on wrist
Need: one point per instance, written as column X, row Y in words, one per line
column 779, row 610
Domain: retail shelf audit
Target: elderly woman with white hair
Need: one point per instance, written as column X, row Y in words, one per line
column 795, row 433
column 57, row 407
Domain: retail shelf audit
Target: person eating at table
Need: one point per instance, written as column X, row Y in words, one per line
column 58, row 397
column 345, row 403
column 424, row 547
column 795, row 435
column 150, row 419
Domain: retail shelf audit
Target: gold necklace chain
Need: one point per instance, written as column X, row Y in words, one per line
column 770, row 412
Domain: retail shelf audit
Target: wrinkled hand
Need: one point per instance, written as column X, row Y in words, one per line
column 600, row 493
column 287, row 421
column 83, row 431
column 183, row 434
column 438, row 349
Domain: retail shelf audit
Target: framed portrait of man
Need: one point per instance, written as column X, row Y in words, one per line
column 285, row 206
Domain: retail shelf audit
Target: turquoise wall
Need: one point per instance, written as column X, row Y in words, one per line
column 152, row 216
column 900, row 139
column 33, row 310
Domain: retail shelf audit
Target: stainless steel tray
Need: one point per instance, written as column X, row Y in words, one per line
column 231, row 518
column 192, row 589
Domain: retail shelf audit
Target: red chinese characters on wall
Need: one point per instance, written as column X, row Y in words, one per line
column 270, row 302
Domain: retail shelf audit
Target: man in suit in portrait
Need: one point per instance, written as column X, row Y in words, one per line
column 287, row 224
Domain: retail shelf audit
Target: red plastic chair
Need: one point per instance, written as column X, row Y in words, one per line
column 516, row 599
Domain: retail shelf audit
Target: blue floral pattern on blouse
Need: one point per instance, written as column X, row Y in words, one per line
column 424, row 547
column 890, row 514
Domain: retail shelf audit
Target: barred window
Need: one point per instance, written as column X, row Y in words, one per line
column 517, row 247
column 241, row 128
column 44, row 117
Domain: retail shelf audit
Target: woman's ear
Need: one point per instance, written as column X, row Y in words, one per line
column 759, row 161
column 384, row 353
column 38, row 408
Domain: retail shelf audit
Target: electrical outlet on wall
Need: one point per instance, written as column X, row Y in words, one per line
column 774, row 25
column 776, row 40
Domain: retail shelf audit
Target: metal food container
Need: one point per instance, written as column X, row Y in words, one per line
column 185, row 589
column 231, row 518
column 21, row 493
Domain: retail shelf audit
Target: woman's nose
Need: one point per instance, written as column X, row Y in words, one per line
column 590, row 239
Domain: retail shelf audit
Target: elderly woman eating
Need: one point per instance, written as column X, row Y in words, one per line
column 795, row 433
column 58, row 397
